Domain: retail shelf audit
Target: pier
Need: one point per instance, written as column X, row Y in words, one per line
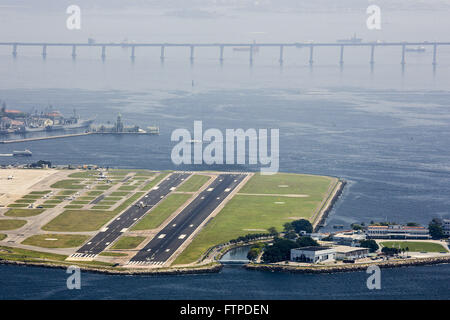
column 312, row 46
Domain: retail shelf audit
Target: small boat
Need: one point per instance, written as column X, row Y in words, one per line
column 24, row 153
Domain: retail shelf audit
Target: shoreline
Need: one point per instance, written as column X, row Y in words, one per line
column 349, row 267
column 215, row 268
column 329, row 204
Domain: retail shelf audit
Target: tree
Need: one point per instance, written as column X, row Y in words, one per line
column 288, row 227
column 436, row 230
column 371, row 244
column 302, row 225
column 356, row 226
column 280, row 250
column 306, row 242
column 253, row 253
column 390, row 251
column 273, row 230
column 412, row 224
column 291, row 235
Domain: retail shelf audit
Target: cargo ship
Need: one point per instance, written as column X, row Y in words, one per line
column 353, row 39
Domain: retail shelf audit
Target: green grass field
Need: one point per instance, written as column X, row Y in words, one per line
column 288, row 183
column 17, row 254
column 40, row 192
column 247, row 214
column 415, row 246
column 86, row 220
column 68, row 184
column 155, row 217
column 2, row 236
column 73, row 206
column 23, row 212
column 94, row 193
column 11, row 224
column 84, row 174
column 194, row 183
column 128, row 242
column 56, row 240
column 66, row 192
column 79, row 220
column 127, row 188
column 17, row 205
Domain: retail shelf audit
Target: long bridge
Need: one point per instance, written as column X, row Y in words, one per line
column 250, row 47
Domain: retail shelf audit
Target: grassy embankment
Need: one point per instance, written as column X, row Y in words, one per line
column 11, row 224
column 415, row 246
column 23, row 212
column 194, row 183
column 269, row 201
column 56, row 240
column 158, row 215
column 87, row 220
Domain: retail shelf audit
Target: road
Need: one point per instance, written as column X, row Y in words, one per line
column 177, row 231
column 115, row 229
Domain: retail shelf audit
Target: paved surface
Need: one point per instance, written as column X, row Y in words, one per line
column 177, row 231
column 114, row 230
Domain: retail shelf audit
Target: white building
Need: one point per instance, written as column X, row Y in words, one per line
column 350, row 253
column 446, row 226
column 313, row 254
column 349, row 238
column 397, row 232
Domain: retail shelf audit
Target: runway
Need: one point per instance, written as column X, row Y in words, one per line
column 121, row 224
column 177, row 231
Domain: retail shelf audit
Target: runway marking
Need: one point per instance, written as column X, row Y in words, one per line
column 161, row 236
column 182, row 236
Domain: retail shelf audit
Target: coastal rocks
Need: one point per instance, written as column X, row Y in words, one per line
column 348, row 267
